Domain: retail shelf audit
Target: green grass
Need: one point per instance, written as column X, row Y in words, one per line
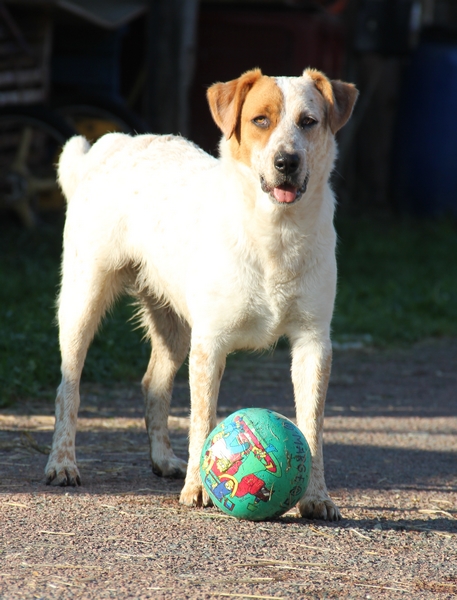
column 397, row 280
column 397, row 284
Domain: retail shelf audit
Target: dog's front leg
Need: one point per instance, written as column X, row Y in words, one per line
column 311, row 365
column 206, row 368
column 61, row 467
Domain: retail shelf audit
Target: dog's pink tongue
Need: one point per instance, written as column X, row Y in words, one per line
column 285, row 193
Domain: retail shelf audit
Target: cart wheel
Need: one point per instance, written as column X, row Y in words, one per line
column 93, row 116
column 31, row 139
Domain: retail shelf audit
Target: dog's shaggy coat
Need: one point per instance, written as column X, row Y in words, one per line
column 222, row 254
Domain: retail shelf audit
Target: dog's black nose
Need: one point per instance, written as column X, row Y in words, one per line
column 286, row 164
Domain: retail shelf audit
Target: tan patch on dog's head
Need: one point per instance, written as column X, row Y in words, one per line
column 247, row 110
column 339, row 98
column 226, row 99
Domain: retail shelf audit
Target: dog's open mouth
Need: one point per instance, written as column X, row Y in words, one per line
column 285, row 193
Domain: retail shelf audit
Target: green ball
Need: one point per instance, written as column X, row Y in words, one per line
column 255, row 464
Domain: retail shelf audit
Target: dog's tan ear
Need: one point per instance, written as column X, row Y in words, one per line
column 226, row 100
column 339, row 96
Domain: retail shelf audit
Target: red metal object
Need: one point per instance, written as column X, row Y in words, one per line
column 335, row 7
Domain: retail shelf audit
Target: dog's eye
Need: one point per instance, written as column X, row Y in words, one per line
column 307, row 122
column 261, row 121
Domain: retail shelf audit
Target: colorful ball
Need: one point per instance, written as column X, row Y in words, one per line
column 255, row 464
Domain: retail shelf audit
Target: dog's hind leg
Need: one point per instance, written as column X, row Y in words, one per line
column 170, row 338
column 85, row 295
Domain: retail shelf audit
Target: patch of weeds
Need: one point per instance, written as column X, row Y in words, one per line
column 397, row 280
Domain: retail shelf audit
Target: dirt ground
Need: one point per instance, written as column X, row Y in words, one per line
column 391, row 464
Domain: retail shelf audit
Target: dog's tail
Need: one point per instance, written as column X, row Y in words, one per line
column 71, row 164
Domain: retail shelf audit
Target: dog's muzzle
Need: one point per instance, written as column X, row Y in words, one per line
column 285, row 193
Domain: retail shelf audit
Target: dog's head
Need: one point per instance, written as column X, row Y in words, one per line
column 283, row 127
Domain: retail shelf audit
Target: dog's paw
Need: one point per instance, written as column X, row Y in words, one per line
column 195, row 495
column 172, row 467
column 62, row 475
column 318, row 507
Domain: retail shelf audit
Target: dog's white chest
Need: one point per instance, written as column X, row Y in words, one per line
column 261, row 313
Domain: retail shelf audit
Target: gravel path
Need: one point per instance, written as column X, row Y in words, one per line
column 391, row 461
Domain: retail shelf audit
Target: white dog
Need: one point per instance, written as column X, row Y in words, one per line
column 222, row 254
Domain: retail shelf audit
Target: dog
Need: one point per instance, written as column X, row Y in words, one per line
column 221, row 254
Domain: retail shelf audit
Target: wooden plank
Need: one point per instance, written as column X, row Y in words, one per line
column 21, row 78
column 22, row 97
